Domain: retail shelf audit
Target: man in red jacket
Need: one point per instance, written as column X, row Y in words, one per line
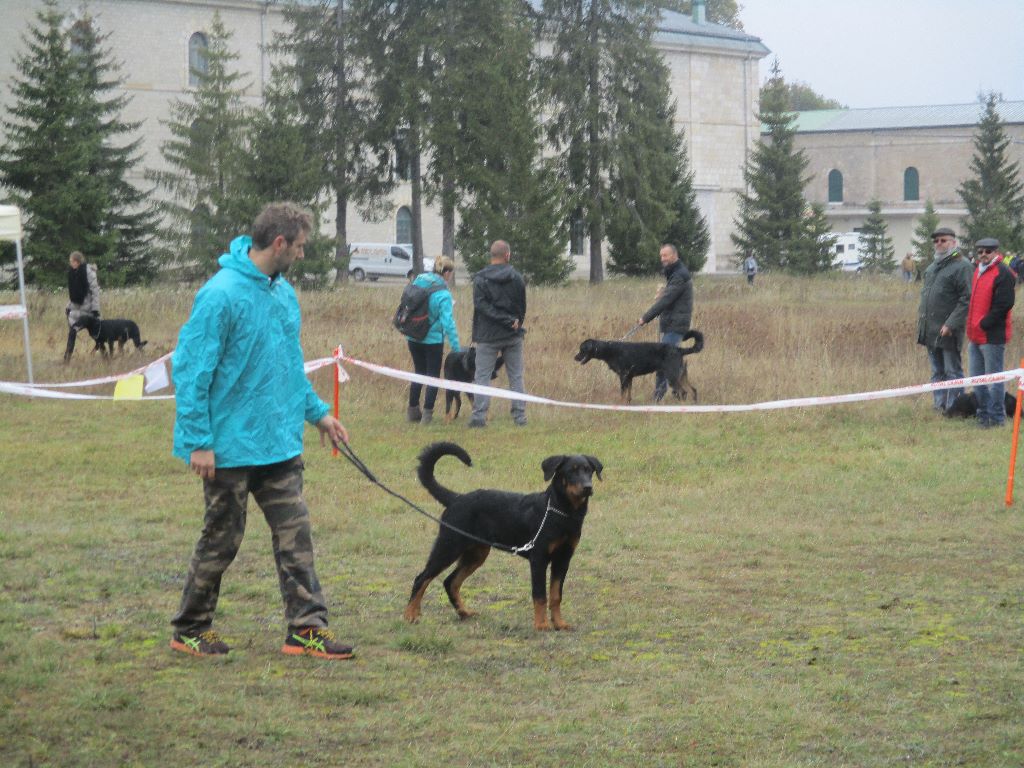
column 988, row 326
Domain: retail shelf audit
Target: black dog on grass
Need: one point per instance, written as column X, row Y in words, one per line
column 551, row 520
column 461, row 366
column 106, row 332
column 965, row 406
column 630, row 359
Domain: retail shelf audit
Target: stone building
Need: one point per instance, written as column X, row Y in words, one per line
column 902, row 156
column 714, row 77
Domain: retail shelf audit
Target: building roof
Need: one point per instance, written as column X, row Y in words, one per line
column 680, row 29
column 897, row 118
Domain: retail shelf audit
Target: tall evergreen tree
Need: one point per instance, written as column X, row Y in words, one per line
column 325, row 63
column 651, row 185
column 812, row 252
column 771, row 221
column 66, row 159
column 593, row 41
column 877, row 252
column 994, row 197
column 922, row 242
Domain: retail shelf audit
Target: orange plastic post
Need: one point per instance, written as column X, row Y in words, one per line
column 1013, row 444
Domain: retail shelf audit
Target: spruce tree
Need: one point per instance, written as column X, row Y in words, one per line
column 877, row 252
column 994, row 197
column 813, row 252
column 923, row 251
column 771, row 220
column 651, row 194
column 66, row 160
column 322, row 58
column 593, row 43
column 208, row 204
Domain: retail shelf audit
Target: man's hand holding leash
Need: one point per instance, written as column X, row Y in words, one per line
column 333, row 430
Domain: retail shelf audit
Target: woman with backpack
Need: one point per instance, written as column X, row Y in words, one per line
column 428, row 351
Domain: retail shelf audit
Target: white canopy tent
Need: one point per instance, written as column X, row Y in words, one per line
column 10, row 230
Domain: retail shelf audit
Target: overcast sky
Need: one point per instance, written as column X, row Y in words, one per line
column 880, row 53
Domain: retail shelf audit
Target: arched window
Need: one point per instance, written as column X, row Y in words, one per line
column 403, row 225
column 198, row 64
column 835, row 186
column 911, row 184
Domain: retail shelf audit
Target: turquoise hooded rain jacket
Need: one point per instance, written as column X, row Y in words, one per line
column 241, row 390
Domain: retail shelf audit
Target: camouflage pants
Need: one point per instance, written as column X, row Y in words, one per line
column 277, row 489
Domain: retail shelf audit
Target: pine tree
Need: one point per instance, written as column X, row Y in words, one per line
column 66, row 161
column 922, row 243
column 771, row 221
column 593, row 44
column 877, row 252
column 994, row 197
column 813, row 251
column 651, row 194
column 322, row 58
column 209, row 193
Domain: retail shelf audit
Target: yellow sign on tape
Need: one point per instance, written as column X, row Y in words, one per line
column 129, row 388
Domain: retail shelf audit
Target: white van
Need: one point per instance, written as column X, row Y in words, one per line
column 373, row 260
column 846, row 252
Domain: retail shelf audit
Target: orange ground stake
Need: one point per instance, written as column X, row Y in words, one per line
column 1013, row 445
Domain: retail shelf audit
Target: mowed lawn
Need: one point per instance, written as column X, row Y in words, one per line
column 833, row 586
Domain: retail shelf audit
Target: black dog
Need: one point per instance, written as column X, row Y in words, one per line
column 552, row 521
column 461, row 366
column 966, row 405
column 106, row 332
column 629, row 359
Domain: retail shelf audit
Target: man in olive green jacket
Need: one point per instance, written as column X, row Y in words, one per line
column 942, row 316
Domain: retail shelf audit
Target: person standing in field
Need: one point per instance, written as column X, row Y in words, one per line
column 907, row 267
column 499, row 310
column 750, row 267
column 241, row 398
column 942, row 314
column 673, row 304
column 83, row 296
column 989, row 323
column 427, row 352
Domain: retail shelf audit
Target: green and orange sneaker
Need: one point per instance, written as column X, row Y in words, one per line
column 315, row 641
column 206, row 643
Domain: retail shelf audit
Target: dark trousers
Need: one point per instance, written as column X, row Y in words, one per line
column 277, row 489
column 426, row 361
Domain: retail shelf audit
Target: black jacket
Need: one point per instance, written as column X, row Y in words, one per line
column 675, row 306
column 499, row 299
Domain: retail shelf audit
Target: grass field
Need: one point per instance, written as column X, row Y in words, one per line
column 837, row 586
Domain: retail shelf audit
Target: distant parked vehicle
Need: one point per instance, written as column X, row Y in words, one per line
column 846, row 252
column 374, row 260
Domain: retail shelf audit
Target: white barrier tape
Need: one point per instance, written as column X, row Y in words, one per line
column 12, row 312
column 35, row 391
column 103, row 380
column 764, row 406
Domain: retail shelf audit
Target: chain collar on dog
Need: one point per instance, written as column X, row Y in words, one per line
column 345, row 450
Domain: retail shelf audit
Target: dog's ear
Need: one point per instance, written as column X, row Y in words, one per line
column 595, row 464
column 551, row 464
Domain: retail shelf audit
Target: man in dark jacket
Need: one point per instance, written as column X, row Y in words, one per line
column 673, row 304
column 499, row 309
column 988, row 327
column 942, row 314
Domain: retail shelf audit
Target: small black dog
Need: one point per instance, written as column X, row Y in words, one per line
column 461, row 366
column 551, row 520
column 630, row 359
column 106, row 332
column 965, row 406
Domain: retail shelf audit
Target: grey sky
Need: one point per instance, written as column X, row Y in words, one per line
column 880, row 53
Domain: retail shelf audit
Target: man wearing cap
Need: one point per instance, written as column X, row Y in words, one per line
column 988, row 327
column 942, row 315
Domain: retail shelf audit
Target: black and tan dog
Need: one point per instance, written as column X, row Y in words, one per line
column 106, row 332
column 551, row 519
column 461, row 366
column 965, row 406
column 630, row 359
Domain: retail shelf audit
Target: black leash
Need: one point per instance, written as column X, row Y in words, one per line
column 633, row 330
column 346, row 450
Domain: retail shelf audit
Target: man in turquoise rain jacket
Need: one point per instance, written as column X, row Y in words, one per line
column 241, row 398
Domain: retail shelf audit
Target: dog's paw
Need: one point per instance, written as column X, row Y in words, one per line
column 542, row 626
column 411, row 615
column 561, row 626
column 464, row 614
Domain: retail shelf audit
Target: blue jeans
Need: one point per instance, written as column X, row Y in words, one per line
column 660, row 382
column 988, row 358
column 486, row 356
column 946, row 366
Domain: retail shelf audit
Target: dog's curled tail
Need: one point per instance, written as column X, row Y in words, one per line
column 698, row 342
column 429, row 456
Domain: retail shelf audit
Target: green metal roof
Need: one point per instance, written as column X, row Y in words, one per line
column 898, row 118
